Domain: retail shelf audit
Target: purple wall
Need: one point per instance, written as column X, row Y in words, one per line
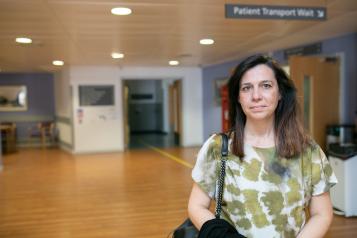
column 212, row 121
column 346, row 44
column 40, row 99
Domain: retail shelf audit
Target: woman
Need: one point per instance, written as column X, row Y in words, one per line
column 273, row 171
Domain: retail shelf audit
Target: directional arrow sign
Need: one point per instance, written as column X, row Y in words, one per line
column 275, row 12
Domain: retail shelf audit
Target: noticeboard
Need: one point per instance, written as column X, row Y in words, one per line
column 96, row 95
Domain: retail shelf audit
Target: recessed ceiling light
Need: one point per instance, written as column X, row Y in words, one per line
column 117, row 55
column 206, row 41
column 58, row 62
column 174, row 62
column 23, row 40
column 121, row 11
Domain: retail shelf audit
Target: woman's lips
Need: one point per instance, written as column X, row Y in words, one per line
column 257, row 108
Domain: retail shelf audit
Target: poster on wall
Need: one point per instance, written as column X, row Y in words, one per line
column 96, row 95
column 218, row 84
column 96, row 104
column 80, row 115
column 13, row 98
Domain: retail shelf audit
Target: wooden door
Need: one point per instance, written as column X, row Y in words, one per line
column 171, row 108
column 318, row 85
column 175, row 110
column 126, row 116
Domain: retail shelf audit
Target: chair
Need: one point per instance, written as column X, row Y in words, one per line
column 8, row 136
column 45, row 131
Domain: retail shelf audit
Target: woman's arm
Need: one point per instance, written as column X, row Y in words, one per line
column 198, row 207
column 321, row 217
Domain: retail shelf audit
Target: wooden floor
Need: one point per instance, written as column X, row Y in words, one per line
column 48, row 193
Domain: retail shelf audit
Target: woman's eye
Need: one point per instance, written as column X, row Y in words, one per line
column 245, row 88
column 267, row 85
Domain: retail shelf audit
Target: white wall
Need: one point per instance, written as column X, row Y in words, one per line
column 165, row 104
column 63, row 104
column 62, row 93
column 101, row 128
column 97, row 128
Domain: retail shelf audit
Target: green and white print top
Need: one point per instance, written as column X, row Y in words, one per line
column 264, row 196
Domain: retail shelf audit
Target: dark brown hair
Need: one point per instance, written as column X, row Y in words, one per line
column 290, row 138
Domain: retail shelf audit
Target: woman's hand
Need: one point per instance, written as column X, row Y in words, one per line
column 198, row 207
column 321, row 217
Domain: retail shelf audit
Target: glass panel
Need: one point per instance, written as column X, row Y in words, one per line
column 307, row 102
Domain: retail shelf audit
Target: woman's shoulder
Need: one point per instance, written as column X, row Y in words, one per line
column 213, row 143
column 313, row 152
column 213, row 140
column 312, row 145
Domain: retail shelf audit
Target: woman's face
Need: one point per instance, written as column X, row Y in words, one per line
column 259, row 93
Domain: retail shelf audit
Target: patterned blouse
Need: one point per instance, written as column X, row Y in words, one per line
column 264, row 196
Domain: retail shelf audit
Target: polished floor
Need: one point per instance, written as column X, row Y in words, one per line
column 48, row 193
column 161, row 140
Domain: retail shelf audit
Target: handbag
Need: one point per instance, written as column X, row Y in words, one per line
column 187, row 229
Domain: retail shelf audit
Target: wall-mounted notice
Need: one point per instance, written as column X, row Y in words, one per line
column 275, row 12
column 96, row 95
column 312, row 49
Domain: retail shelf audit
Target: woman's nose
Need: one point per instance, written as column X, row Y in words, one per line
column 256, row 94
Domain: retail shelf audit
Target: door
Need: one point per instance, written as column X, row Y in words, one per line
column 317, row 82
column 126, row 116
column 175, row 110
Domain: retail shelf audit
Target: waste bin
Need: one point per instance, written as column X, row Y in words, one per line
column 343, row 160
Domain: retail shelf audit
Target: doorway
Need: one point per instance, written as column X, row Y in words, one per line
column 317, row 80
column 147, row 113
column 175, row 95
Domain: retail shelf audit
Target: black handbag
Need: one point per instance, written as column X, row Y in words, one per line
column 187, row 229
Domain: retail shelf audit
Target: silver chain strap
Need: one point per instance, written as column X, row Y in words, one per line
column 224, row 154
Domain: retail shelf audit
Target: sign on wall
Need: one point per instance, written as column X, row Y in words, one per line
column 312, row 49
column 96, row 103
column 96, row 95
column 275, row 12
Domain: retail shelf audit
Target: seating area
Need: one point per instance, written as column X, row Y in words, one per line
column 42, row 133
column 45, row 132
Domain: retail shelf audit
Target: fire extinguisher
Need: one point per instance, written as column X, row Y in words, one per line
column 225, row 108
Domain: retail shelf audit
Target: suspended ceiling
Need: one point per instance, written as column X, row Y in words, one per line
column 84, row 32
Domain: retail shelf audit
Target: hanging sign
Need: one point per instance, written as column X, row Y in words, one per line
column 275, row 12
